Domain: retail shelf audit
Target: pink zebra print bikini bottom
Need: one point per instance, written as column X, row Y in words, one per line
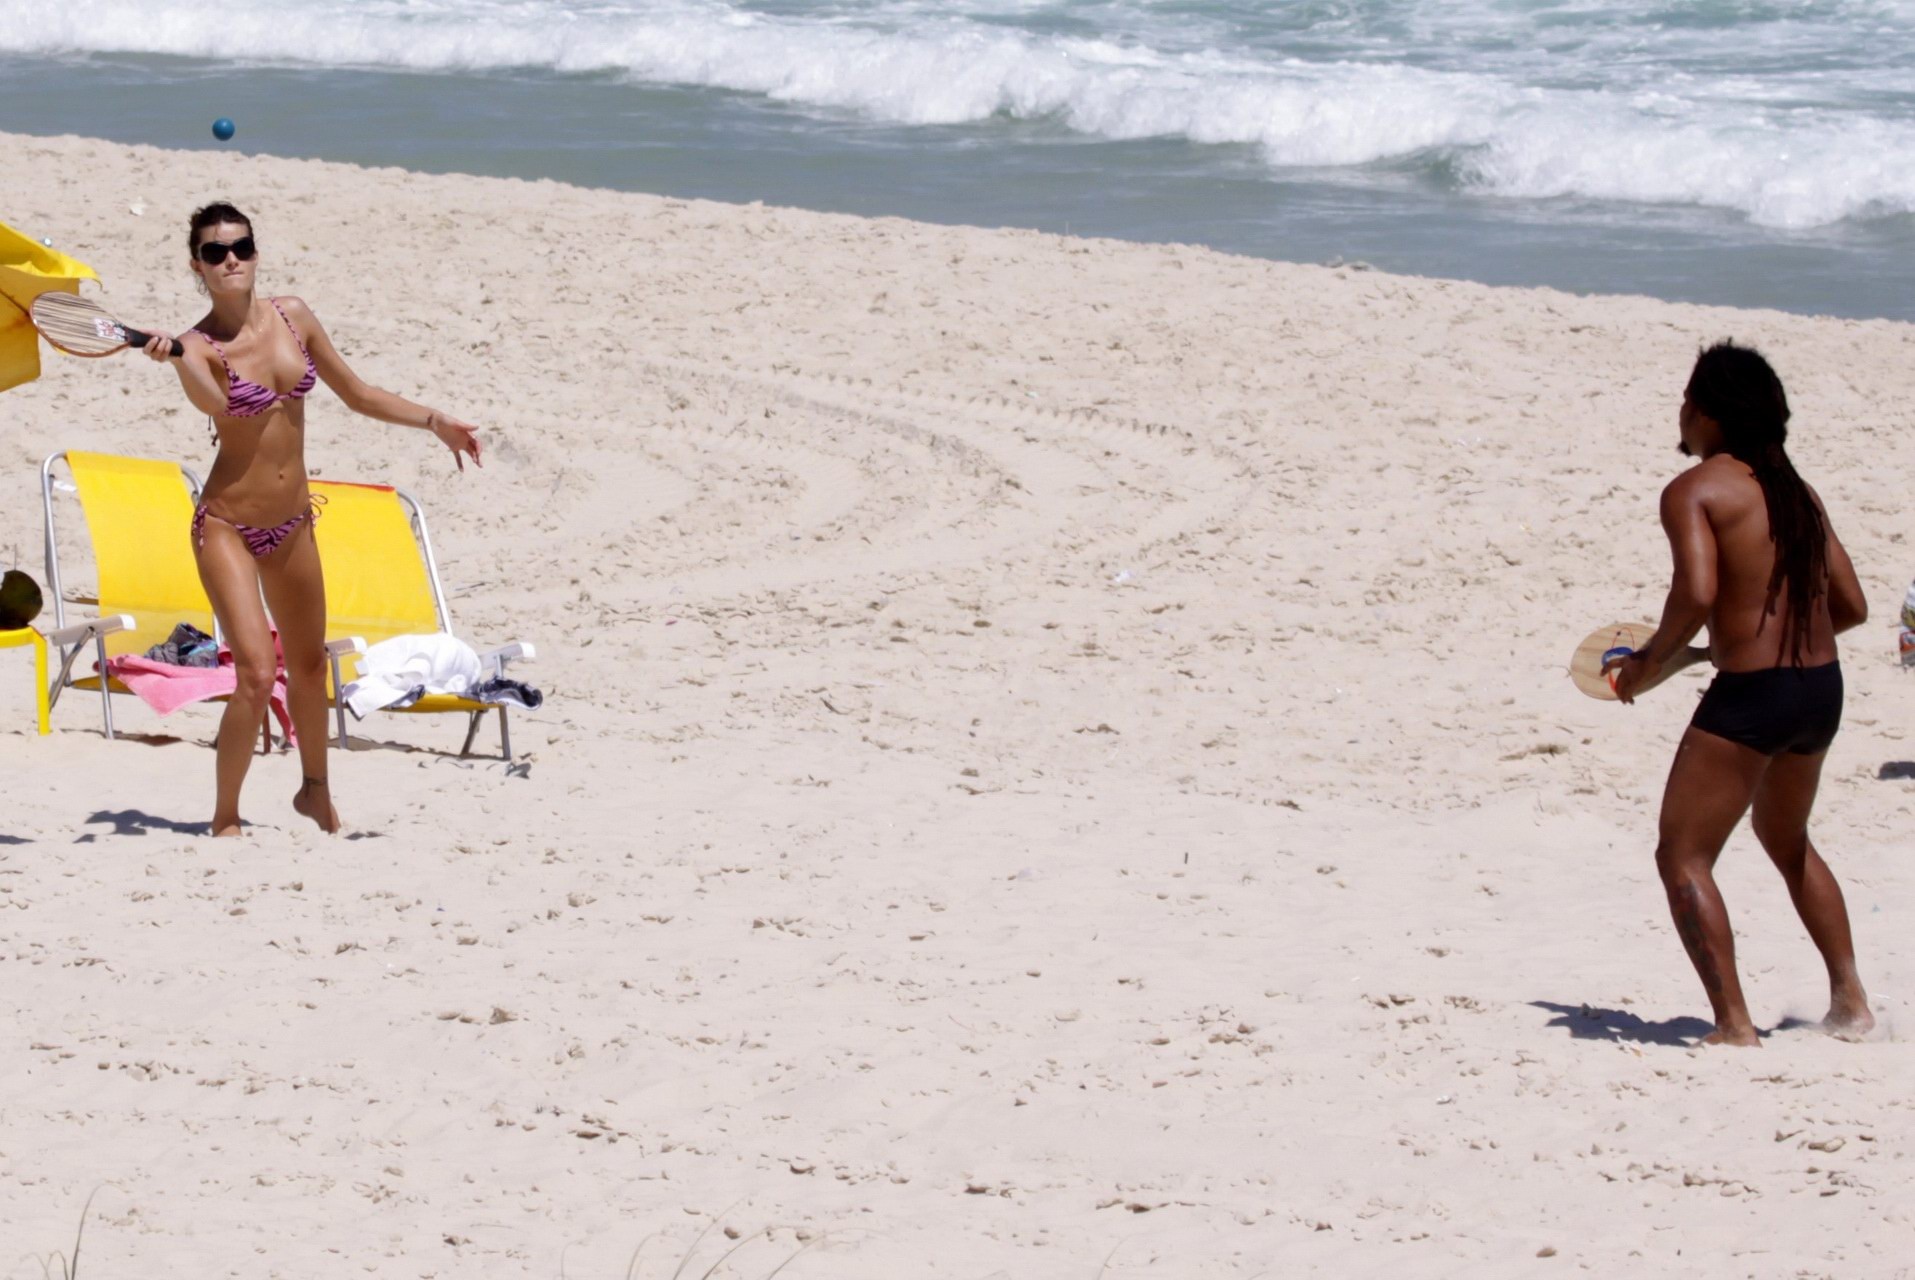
column 261, row 542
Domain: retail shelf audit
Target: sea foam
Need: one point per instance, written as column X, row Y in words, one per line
column 1500, row 133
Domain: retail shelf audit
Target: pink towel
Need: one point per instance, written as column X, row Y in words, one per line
column 166, row 688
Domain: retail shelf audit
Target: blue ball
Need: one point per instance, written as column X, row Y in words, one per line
column 223, row 129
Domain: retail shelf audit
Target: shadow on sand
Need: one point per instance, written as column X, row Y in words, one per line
column 1587, row 1022
column 145, row 739
column 518, row 769
column 132, row 822
column 1896, row 770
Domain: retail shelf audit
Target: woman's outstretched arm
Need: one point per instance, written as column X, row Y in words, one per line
column 199, row 369
column 375, row 402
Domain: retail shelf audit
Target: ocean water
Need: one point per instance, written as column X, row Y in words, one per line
column 1752, row 152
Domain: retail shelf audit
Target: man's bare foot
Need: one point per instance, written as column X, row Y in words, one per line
column 1740, row 1037
column 314, row 800
column 1849, row 1019
column 226, row 827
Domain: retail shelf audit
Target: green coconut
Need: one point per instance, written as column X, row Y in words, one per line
column 20, row 600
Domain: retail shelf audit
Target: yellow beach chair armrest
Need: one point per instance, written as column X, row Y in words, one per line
column 91, row 629
column 71, row 641
column 495, row 659
column 348, row 647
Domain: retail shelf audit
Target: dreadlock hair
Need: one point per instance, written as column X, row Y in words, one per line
column 1735, row 386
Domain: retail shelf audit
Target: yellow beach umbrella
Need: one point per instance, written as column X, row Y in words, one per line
column 27, row 270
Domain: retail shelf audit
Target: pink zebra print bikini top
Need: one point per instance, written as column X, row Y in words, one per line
column 247, row 399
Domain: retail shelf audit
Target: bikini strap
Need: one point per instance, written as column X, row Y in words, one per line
column 289, row 325
column 217, row 347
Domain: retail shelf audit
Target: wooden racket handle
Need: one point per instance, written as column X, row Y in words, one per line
column 135, row 338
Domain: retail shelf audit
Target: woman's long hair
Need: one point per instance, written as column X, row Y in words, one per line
column 1735, row 386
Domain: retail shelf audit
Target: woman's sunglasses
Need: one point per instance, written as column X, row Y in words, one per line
column 212, row 253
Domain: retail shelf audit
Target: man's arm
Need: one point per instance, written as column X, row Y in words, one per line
column 1848, row 607
column 1692, row 586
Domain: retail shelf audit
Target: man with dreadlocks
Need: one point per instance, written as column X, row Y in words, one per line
column 1756, row 560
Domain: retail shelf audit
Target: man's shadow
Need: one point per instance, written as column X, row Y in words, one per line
column 1587, row 1022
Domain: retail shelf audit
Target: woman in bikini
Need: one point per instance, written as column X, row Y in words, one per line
column 249, row 370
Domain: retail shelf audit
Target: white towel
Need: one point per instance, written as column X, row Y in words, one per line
column 392, row 669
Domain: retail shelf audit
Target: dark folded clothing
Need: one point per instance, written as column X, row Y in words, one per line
column 187, row 646
column 515, row 692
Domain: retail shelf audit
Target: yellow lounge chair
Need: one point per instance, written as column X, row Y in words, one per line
column 17, row 637
column 139, row 516
column 383, row 581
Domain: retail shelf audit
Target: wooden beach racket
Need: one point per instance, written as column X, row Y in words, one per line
column 82, row 327
column 1619, row 640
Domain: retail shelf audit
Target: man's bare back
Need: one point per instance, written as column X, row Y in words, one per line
column 1716, row 511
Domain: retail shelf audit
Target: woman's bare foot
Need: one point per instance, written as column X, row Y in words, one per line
column 1849, row 1018
column 226, row 827
column 314, row 800
column 1740, row 1037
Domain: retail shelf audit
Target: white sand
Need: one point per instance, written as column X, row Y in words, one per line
column 1058, row 758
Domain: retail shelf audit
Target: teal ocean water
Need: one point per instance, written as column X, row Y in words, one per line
column 1751, row 152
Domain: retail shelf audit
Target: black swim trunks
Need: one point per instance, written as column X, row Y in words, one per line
column 1793, row 709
